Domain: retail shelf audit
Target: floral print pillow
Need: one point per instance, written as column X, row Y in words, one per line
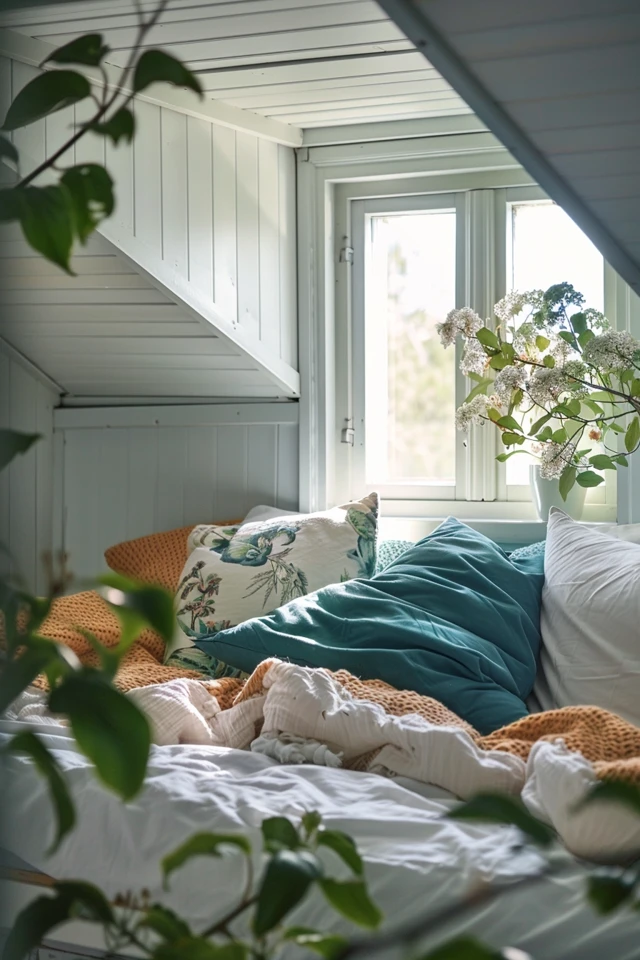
column 234, row 574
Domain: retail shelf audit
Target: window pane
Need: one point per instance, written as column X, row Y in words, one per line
column 546, row 248
column 410, row 378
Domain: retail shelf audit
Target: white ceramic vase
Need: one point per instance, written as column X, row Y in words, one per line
column 546, row 494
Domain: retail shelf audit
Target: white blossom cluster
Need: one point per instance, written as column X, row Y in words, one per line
column 554, row 457
column 508, row 380
column 612, row 351
column 471, row 412
column 464, row 321
column 507, row 308
column 546, row 384
column 474, row 359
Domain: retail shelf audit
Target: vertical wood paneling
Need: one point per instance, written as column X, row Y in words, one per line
column 147, row 176
column 119, row 163
column 59, row 127
column 262, row 462
column 269, row 239
column 26, row 487
column 248, row 233
column 5, row 87
column 224, row 221
column 287, row 256
column 121, row 483
column 200, row 204
column 28, row 140
column 90, row 148
column 231, row 472
column 199, row 487
column 175, row 248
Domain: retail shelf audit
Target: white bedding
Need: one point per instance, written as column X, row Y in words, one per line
column 416, row 861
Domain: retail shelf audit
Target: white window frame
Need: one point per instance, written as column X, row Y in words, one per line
column 480, row 487
column 433, row 156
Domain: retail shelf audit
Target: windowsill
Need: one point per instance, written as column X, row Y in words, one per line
column 511, row 533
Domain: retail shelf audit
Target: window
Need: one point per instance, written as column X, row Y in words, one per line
column 415, row 258
column 544, row 246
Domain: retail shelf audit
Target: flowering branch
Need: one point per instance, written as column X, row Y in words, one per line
column 563, row 360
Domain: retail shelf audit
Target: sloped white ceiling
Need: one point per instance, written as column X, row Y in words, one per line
column 559, row 84
column 309, row 63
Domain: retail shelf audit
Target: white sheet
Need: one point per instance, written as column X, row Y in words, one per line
column 415, row 860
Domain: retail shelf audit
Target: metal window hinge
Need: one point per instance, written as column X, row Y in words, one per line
column 348, row 434
column 346, row 255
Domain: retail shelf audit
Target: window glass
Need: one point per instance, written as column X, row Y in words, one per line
column 547, row 247
column 410, row 378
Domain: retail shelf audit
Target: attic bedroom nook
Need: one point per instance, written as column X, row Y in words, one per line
column 319, row 479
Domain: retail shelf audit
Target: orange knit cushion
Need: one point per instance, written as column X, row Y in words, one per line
column 158, row 558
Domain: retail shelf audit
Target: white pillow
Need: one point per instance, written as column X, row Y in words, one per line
column 234, row 574
column 590, row 619
column 264, row 512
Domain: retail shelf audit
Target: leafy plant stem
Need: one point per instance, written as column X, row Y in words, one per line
column 220, row 925
column 143, row 29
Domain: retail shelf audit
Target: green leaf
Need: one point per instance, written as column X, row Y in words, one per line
column 609, row 889
column 108, row 728
column 351, row 899
column 574, row 407
column 8, row 151
column 539, row 424
column 562, row 409
column 634, row 389
column 109, row 656
column 568, row 338
column 279, row 834
column 501, row 457
column 139, row 605
column 156, row 66
column 510, row 423
column 579, row 323
column 585, row 337
column 542, row 343
column 288, row 876
column 18, row 673
column 593, row 406
column 493, row 414
column 508, row 352
column 603, row 396
column 479, row 388
column 488, row 338
column 500, row 808
column 328, row 946
column 545, row 434
column 589, row 479
column 47, row 765
column 203, row 845
column 462, row 948
column 621, row 460
column 632, row 436
column 165, row 923
column 498, row 362
column 41, row 916
column 197, row 948
column 46, row 216
column 560, row 435
column 91, row 191
column 613, row 791
column 509, row 438
column 566, row 481
column 549, row 361
column 10, row 204
column 615, row 427
column 121, row 126
column 88, row 50
column 476, row 377
column 46, row 93
column 602, row 462
column 344, row 847
column 12, row 443
column 310, row 822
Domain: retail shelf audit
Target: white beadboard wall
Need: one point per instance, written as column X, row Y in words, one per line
column 129, row 471
column 26, row 487
column 207, row 215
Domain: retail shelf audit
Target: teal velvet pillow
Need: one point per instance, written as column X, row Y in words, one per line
column 453, row 618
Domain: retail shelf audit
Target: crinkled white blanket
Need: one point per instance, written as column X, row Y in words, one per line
column 308, row 717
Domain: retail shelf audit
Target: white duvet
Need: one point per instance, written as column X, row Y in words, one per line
column 416, row 861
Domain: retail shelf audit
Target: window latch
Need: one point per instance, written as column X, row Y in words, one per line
column 346, row 255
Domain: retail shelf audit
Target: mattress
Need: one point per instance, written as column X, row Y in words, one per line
column 417, row 862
